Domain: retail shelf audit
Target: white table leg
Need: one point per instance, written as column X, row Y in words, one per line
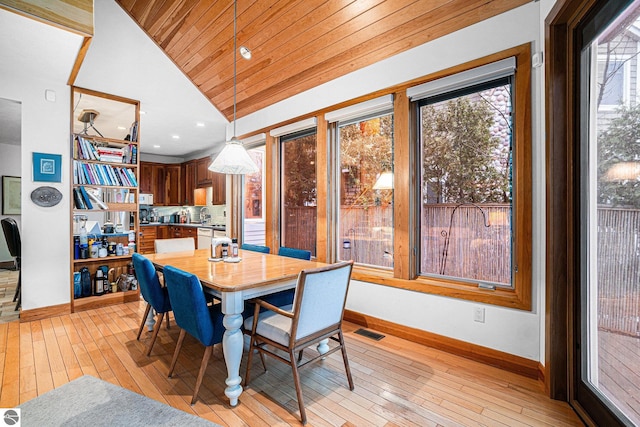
column 323, row 346
column 151, row 320
column 232, row 343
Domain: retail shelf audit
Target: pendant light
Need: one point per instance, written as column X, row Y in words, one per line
column 234, row 159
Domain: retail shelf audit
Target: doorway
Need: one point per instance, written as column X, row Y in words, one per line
column 10, row 170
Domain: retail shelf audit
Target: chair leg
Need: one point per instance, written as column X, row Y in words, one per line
column 17, row 293
column 144, row 318
column 346, row 360
column 156, row 329
column 168, row 323
column 296, row 380
column 247, row 374
column 203, row 368
column 175, row 353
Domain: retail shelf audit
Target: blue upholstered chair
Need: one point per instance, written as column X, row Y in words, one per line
column 153, row 293
column 316, row 314
column 281, row 298
column 294, row 253
column 193, row 315
column 255, row 248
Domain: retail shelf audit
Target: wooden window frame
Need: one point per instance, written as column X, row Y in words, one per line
column 406, row 206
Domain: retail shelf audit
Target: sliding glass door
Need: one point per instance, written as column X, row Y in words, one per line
column 607, row 366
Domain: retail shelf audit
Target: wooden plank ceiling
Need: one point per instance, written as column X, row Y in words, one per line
column 296, row 44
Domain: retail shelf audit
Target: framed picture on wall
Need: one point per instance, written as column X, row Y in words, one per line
column 11, row 195
column 47, row 167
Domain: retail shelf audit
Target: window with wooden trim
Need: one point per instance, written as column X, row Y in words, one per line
column 366, row 190
column 475, row 178
column 298, row 189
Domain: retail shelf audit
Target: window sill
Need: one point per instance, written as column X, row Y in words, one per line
column 501, row 297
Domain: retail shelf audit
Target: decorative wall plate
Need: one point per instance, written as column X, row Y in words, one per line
column 46, row 196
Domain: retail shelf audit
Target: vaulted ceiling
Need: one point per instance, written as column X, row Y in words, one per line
column 296, row 44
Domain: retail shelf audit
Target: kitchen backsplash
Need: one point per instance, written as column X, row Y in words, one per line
column 217, row 212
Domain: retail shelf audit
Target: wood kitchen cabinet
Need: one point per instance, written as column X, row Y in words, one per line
column 189, row 182
column 158, row 184
column 164, row 181
column 146, row 176
column 148, row 235
column 203, row 174
column 173, row 185
column 219, row 189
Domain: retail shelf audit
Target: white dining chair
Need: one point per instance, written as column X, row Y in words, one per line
column 316, row 315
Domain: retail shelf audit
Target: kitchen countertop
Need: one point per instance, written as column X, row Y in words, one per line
column 192, row 225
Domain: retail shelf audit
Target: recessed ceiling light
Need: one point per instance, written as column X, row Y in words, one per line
column 122, row 128
column 156, row 146
column 143, row 112
column 245, row 52
column 200, row 124
column 175, row 136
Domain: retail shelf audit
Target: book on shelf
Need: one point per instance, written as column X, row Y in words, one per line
column 103, row 174
column 85, row 198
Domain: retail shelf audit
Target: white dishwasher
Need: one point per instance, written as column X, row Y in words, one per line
column 204, row 237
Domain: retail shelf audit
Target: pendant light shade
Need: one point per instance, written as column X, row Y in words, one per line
column 384, row 181
column 234, row 159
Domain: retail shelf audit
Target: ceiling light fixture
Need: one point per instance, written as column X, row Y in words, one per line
column 175, row 136
column 200, row 124
column 245, row 52
column 234, row 159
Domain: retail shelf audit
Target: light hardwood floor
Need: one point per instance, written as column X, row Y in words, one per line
column 397, row 382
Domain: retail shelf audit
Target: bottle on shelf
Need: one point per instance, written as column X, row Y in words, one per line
column 98, row 287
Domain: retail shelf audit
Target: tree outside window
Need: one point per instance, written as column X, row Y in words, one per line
column 366, row 210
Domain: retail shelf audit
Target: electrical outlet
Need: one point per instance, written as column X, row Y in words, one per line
column 478, row 314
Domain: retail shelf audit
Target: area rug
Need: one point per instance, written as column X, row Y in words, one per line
column 88, row 401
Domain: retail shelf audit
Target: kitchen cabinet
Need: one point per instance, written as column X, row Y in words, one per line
column 189, row 182
column 173, row 185
column 146, row 175
column 158, row 184
column 203, row 174
column 164, row 181
column 219, row 189
column 148, row 235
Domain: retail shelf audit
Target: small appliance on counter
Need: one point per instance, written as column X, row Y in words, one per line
column 144, row 216
column 153, row 216
column 145, row 199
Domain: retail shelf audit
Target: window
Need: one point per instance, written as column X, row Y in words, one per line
column 298, row 190
column 474, row 199
column 254, row 214
column 466, row 198
column 366, row 190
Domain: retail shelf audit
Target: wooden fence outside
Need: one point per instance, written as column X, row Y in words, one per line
column 619, row 270
column 484, row 253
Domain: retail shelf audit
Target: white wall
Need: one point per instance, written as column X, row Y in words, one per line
column 45, row 129
column 513, row 331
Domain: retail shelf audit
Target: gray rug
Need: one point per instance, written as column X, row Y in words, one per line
column 88, row 401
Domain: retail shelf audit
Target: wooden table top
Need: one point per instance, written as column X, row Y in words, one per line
column 254, row 270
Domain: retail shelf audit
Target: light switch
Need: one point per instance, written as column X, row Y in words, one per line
column 50, row 95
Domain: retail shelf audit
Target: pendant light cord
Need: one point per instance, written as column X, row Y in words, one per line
column 235, row 11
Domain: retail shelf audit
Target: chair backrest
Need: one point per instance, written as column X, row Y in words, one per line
column 177, row 244
column 294, row 253
column 255, row 248
column 190, row 306
column 321, row 294
column 150, row 287
column 12, row 235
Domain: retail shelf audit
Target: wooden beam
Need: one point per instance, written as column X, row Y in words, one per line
column 71, row 15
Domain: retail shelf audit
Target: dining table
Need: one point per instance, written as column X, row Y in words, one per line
column 234, row 280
